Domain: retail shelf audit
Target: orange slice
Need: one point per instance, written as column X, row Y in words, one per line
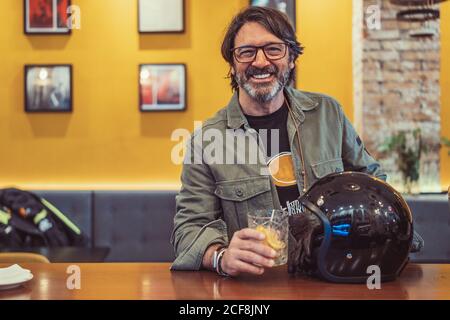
column 271, row 238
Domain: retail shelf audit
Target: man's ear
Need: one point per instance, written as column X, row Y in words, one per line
column 291, row 65
column 232, row 72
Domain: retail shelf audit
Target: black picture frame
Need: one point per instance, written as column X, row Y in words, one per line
column 50, row 95
column 145, row 29
column 151, row 96
column 54, row 29
column 289, row 5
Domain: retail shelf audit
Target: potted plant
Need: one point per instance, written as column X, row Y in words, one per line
column 408, row 146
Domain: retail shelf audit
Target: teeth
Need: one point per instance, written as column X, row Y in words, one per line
column 261, row 76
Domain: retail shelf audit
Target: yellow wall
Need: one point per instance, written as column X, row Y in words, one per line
column 325, row 29
column 106, row 142
column 445, row 91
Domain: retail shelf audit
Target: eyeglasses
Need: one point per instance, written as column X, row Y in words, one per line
column 272, row 51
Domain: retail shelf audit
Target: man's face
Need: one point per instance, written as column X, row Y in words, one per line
column 261, row 79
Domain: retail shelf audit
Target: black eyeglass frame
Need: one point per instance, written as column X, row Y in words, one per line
column 286, row 46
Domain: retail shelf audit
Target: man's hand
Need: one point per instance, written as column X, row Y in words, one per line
column 247, row 253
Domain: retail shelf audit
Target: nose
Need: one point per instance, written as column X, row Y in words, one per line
column 260, row 59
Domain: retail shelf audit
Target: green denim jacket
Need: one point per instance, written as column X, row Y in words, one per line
column 215, row 198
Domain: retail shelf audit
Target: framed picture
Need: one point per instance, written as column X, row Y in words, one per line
column 161, row 16
column 46, row 16
column 285, row 6
column 48, row 88
column 162, row 87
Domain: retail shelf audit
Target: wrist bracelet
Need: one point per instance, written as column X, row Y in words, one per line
column 215, row 256
column 218, row 254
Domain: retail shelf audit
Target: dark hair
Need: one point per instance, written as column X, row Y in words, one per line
column 274, row 21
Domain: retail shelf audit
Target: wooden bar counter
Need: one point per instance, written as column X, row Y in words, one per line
column 156, row 281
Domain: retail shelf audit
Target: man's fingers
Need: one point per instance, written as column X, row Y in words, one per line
column 247, row 233
column 253, row 258
column 243, row 266
column 257, row 247
column 247, row 253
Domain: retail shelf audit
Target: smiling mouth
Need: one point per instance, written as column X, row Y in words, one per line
column 263, row 76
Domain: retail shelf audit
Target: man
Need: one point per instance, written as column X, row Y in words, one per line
column 314, row 138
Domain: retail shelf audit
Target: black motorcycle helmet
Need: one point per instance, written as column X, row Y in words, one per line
column 364, row 222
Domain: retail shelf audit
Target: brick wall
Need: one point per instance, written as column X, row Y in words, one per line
column 401, row 90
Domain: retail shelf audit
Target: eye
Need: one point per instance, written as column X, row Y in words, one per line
column 274, row 49
column 246, row 52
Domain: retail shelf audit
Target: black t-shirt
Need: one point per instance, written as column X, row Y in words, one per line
column 280, row 162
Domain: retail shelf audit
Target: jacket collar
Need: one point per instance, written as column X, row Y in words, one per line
column 298, row 101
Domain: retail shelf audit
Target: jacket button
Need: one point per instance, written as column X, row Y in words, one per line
column 239, row 192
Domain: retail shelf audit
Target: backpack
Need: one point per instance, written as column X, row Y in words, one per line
column 26, row 220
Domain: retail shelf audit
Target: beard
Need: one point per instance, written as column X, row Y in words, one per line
column 263, row 92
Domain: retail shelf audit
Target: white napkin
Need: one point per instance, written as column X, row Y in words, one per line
column 14, row 274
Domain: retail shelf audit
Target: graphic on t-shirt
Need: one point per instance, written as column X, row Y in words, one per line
column 294, row 207
column 281, row 169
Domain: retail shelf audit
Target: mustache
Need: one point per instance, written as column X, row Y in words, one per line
column 252, row 71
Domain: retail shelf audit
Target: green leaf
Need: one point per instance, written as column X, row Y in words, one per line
column 445, row 141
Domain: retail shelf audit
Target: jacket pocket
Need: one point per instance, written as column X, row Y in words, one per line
column 322, row 168
column 239, row 197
